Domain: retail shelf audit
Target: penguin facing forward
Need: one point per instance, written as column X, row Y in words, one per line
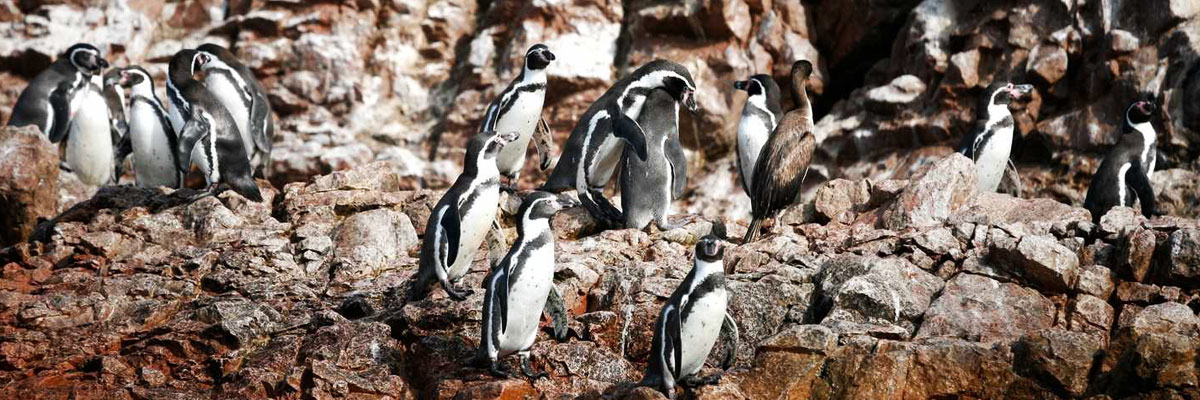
column 462, row 218
column 519, row 109
column 236, row 87
column 91, row 144
column 760, row 115
column 519, row 286
column 1122, row 176
column 593, row 150
column 209, row 133
column 990, row 141
column 151, row 138
column 46, row 102
column 648, row 185
column 689, row 324
column 783, row 162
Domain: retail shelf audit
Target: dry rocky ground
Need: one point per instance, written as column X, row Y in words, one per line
column 894, row 279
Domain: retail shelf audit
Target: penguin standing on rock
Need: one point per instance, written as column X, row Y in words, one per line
column 1123, row 175
column 783, row 162
column 207, row 128
column 760, row 115
column 690, row 322
column 91, row 143
column 593, row 150
column 462, row 218
column 519, row 286
column 151, row 138
column 236, row 87
column 47, row 101
column 990, row 141
column 519, row 109
column 648, row 185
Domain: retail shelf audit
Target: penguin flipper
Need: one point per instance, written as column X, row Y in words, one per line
column 558, row 314
column 543, row 139
column 123, row 148
column 1140, row 183
column 260, row 121
column 502, row 285
column 60, row 104
column 675, row 339
column 629, row 130
column 194, row 130
column 729, row 336
column 448, row 229
column 678, row 162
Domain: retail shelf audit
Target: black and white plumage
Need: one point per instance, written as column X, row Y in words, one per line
column 593, row 150
column 648, row 185
column 519, row 286
column 462, row 218
column 690, row 323
column 150, row 136
column 784, row 160
column 760, row 115
column 990, row 141
column 519, row 109
column 91, row 143
column 114, row 97
column 1124, row 174
column 209, row 134
column 47, row 101
column 236, row 87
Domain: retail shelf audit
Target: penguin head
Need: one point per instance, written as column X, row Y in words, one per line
column 216, row 54
column 709, row 249
column 185, row 63
column 674, row 78
column 86, row 58
column 131, row 76
column 486, row 145
column 759, row 85
column 1003, row 93
column 543, row 205
column 538, row 57
column 1140, row 112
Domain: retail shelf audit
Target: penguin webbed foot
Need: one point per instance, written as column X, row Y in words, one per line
column 527, row 370
column 457, row 294
column 692, row 382
column 665, row 225
column 497, row 370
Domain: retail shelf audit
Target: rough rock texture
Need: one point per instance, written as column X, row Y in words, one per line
column 28, row 182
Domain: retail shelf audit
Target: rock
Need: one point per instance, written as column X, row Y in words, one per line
column 1091, row 314
column 877, row 291
column 983, row 309
column 839, row 200
column 1048, row 62
column 1043, row 261
column 1095, row 280
column 1172, row 318
column 1062, row 357
column 1136, row 254
column 965, row 68
column 367, row 243
column 898, row 92
column 1120, row 221
column 28, row 182
column 1181, row 258
column 935, row 194
column 1123, row 41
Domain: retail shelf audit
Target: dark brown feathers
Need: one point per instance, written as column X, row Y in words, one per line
column 783, row 163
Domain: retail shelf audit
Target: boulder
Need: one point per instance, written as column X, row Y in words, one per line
column 28, row 182
column 932, row 196
column 1043, row 261
column 982, row 309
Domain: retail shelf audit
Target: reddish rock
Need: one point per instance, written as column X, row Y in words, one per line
column 28, row 182
column 979, row 308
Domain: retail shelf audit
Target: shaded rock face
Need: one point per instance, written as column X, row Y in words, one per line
column 28, row 182
column 136, row 293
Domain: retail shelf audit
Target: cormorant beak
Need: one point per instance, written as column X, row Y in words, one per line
column 739, row 85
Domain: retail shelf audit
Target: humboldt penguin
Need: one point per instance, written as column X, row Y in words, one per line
column 519, row 109
column 593, row 150
column 990, row 141
column 236, row 87
column 151, row 137
column 1122, row 176
column 91, row 144
column 519, row 286
column 783, row 162
column 461, row 219
column 760, row 115
column 648, row 185
column 209, row 134
column 46, row 102
column 690, row 323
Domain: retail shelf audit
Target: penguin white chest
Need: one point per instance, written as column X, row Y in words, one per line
column 89, row 147
column 474, row 224
column 521, row 118
column 700, row 329
column 152, row 159
column 526, row 299
column 753, row 133
column 226, row 91
column 992, row 159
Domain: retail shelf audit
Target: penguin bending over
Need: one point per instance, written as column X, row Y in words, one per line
column 648, row 185
column 760, row 115
column 519, row 109
column 519, row 286
column 1123, row 173
column 783, row 162
column 151, row 137
column 46, row 102
column 236, row 87
column 690, row 322
column 593, row 150
column 462, row 218
column 208, row 129
column 91, row 143
column 990, row 141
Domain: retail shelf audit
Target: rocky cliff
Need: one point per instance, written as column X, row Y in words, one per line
column 894, row 279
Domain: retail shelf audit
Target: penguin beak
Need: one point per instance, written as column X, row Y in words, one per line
column 101, row 62
column 1017, row 91
column 565, row 202
column 689, row 101
column 739, row 85
column 547, row 55
column 506, row 137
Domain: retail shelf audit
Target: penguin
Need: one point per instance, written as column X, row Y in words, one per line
column 760, row 115
column 990, row 141
column 520, row 285
column 649, row 185
column 209, row 134
column 114, row 97
column 236, row 87
column 690, row 322
column 592, row 152
column 462, row 217
column 519, row 109
column 783, row 162
column 46, row 102
column 151, row 137
column 1123, row 173
column 90, row 142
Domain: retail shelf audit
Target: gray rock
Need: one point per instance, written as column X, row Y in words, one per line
column 982, row 309
column 942, row 189
column 28, row 182
column 1043, row 261
column 877, row 291
column 1181, row 258
column 1095, row 280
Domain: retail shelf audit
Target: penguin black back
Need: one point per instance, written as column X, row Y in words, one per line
column 1122, row 176
column 65, row 76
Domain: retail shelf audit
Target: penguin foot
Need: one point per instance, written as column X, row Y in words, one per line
column 527, row 370
column 497, row 371
column 693, row 382
column 666, row 225
column 458, row 295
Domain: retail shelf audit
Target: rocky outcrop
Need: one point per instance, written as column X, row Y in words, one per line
column 28, row 182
